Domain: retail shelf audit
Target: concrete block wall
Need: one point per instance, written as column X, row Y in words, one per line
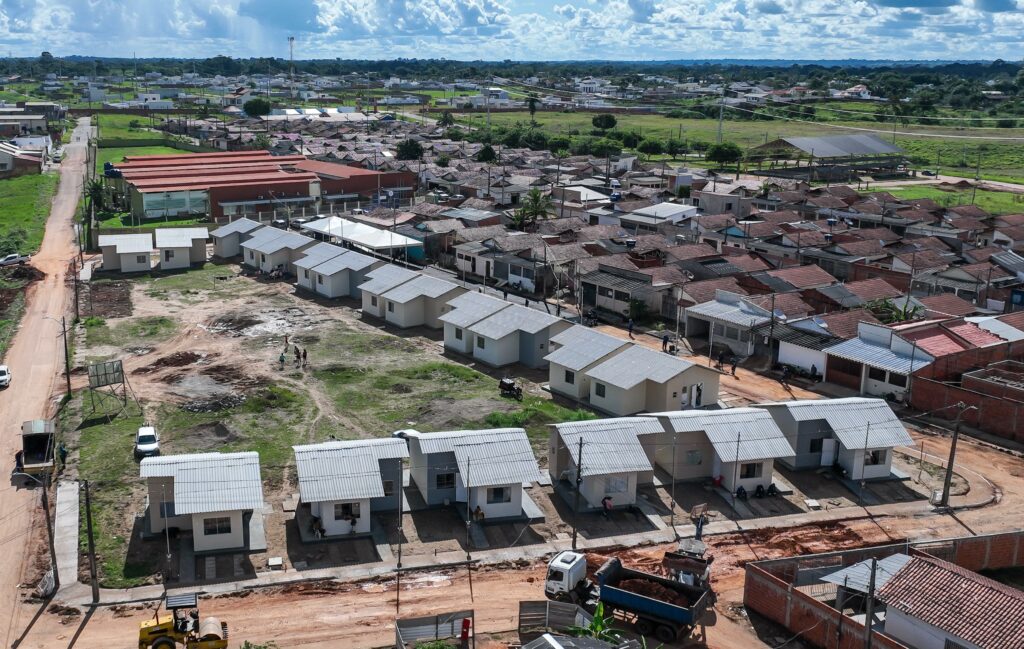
column 995, row 414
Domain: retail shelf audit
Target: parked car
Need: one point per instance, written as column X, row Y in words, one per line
column 298, row 222
column 5, row 376
column 14, row 259
column 358, row 211
column 146, row 442
column 279, row 223
column 927, row 172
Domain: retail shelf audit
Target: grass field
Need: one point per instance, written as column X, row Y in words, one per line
column 26, row 205
column 992, row 202
column 120, row 127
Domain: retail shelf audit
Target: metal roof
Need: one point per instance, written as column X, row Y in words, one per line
column 472, row 307
column 351, row 260
column 879, row 356
column 610, row 280
column 383, row 279
column 1002, row 329
column 318, row 254
column 291, row 240
column 511, row 320
column 858, row 576
column 582, row 346
column 504, row 458
column 609, row 445
column 631, row 366
column 468, row 214
column 344, row 470
column 738, row 434
column 179, row 237
column 838, row 146
column 446, row 441
column 740, row 313
column 209, row 482
column 857, row 422
column 422, row 286
column 241, row 226
column 126, row 244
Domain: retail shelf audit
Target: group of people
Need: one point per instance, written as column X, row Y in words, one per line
column 301, row 355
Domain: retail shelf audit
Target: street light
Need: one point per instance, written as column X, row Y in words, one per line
column 49, row 524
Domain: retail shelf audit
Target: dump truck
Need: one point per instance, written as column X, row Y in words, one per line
column 656, row 606
column 182, row 627
column 36, row 455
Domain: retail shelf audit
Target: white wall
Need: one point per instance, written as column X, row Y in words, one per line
column 305, row 278
column 335, row 527
column 163, row 489
column 405, row 315
column 917, row 634
column 694, row 454
column 111, row 260
column 227, row 246
column 595, row 488
column 478, row 497
column 790, row 354
column 417, row 465
column 376, row 310
column 464, row 346
column 179, row 258
column 853, row 462
column 497, row 353
column 434, row 308
column 250, row 257
column 335, row 285
column 130, row 263
column 203, row 543
column 731, row 475
column 579, row 389
column 270, row 262
column 617, row 401
column 197, row 253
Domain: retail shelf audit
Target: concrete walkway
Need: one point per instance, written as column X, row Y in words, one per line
column 65, row 533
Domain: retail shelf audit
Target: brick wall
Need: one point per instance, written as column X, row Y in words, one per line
column 896, row 278
column 996, row 415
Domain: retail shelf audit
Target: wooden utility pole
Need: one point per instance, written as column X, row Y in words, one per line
column 576, row 498
column 869, row 608
column 93, row 581
column 948, row 482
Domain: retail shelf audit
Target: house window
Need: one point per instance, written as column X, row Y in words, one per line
column 751, row 470
column 899, row 380
column 605, row 292
column 458, row 333
column 570, row 377
column 621, row 296
column 732, row 333
column 817, row 444
column 694, row 458
column 346, row 511
column 874, row 458
column 167, row 509
column 168, row 255
column 728, row 207
column 319, row 279
column 389, row 487
column 599, row 389
column 140, row 259
column 719, row 329
column 444, row 481
column 616, row 485
column 876, row 374
column 373, row 300
column 263, row 258
column 305, row 274
column 480, row 342
column 251, row 255
column 219, row 525
column 391, row 307
column 497, row 495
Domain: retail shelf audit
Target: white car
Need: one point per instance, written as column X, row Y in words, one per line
column 146, row 442
column 5, row 376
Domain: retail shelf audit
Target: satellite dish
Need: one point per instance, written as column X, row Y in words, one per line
column 779, row 314
column 820, row 322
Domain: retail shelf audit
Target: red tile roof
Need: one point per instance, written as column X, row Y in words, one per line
column 809, row 276
column 1010, row 219
column 704, row 290
column 746, row 262
column 843, row 324
column 947, row 305
column 873, row 289
column 1015, row 320
column 973, row 334
column 962, row 603
column 970, row 210
column 333, row 169
column 789, row 304
column 935, row 340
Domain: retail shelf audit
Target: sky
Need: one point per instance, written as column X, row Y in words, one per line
column 519, row 29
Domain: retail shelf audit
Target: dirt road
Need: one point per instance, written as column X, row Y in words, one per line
column 35, row 359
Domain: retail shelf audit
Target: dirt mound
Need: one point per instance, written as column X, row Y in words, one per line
column 211, row 435
column 229, row 374
column 107, row 299
column 22, row 272
column 216, row 404
column 654, row 590
column 400, row 388
column 772, row 542
column 7, row 297
column 177, row 359
column 233, row 325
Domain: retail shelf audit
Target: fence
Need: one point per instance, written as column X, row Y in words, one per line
column 538, row 618
column 409, row 632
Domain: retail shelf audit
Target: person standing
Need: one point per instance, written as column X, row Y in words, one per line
column 305, row 356
column 280, row 359
column 606, row 506
column 629, row 328
column 734, row 363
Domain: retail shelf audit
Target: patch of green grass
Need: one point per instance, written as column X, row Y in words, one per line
column 117, row 154
column 9, row 322
column 992, row 202
column 535, row 415
column 125, row 220
column 195, row 283
column 127, row 127
column 26, row 206
column 131, row 331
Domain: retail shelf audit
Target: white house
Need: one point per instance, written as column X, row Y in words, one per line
column 311, row 257
column 855, row 433
column 344, row 482
column 227, row 239
column 419, row 302
column 341, row 276
column 606, row 454
column 466, row 310
column 483, row 469
column 128, row 253
column 574, row 352
column 640, row 379
column 275, row 250
column 378, row 282
column 181, row 247
column 515, row 335
column 215, row 495
column 878, row 362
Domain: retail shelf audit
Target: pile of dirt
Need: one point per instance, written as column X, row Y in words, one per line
column 177, row 359
column 654, row 590
column 7, row 297
column 233, row 325
column 230, row 374
column 106, row 299
column 22, row 272
column 216, row 404
column 772, row 542
column 211, row 435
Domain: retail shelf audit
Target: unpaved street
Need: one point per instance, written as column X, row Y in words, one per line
column 35, row 359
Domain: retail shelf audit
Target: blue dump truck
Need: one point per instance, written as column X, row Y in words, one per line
column 667, row 609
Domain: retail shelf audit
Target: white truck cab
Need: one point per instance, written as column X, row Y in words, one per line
column 567, row 572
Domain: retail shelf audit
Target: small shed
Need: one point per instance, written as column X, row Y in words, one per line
column 639, row 379
column 271, row 252
column 341, row 276
column 515, row 335
column 466, row 310
column 344, row 482
column 227, row 239
column 312, row 257
column 378, row 282
column 575, row 351
column 419, row 302
column 181, row 247
column 128, row 253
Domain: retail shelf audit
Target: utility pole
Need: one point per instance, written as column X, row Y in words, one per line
column 977, row 177
column 721, row 115
column 576, row 498
column 675, row 438
column 735, row 470
column 67, row 358
column 93, row 581
column 869, row 608
column 947, row 483
column 291, row 66
column 45, row 484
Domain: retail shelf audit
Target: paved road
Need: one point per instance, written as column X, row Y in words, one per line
column 35, row 359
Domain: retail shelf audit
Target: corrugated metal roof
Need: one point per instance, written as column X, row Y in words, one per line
column 631, row 366
column 498, row 459
column 513, row 319
column 291, row 240
column 179, row 237
column 318, row 254
column 351, row 260
column 421, row 286
column 747, row 433
column 344, row 470
column 241, row 226
column 609, row 445
column 858, row 576
column 857, row 422
column 739, row 314
column 383, row 279
column 998, row 327
column 210, row 482
column 582, row 346
column 262, row 234
column 841, row 146
column 879, row 356
column 472, row 307
column 446, row 441
column 126, row 244
column 610, row 280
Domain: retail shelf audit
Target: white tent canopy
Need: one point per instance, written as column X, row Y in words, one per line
column 360, row 234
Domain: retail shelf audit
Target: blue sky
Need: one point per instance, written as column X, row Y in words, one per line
column 519, row 29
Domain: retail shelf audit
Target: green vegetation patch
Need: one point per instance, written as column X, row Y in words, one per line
column 127, row 332
column 26, row 206
column 991, row 202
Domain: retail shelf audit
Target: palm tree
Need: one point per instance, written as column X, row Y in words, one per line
column 535, row 206
column 96, row 193
column 531, row 105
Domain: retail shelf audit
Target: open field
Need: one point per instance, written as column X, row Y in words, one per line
column 119, row 127
column 26, row 205
column 992, row 202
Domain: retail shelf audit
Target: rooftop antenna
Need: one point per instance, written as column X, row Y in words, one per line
column 291, row 65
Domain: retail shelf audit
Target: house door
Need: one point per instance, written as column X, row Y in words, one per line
column 472, row 267
column 697, row 395
column 460, row 489
column 589, row 295
column 828, row 452
column 487, row 269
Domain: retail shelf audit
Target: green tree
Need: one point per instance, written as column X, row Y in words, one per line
column 256, row 107
column 446, row 120
column 600, row 627
column 442, row 160
column 486, row 154
column 97, row 195
column 531, row 105
column 651, row 147
column 604, row 121
column 261, row 141
column 535, row 205
column 409, row 150
column 673, row 147
column 891, row 312
column 605, row 148
column 558, row 143
column 725, row 153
